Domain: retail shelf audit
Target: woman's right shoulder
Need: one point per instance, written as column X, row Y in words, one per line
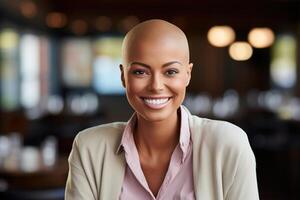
column 110, row 132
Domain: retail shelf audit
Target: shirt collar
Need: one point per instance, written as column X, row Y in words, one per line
column 127, row 140
column 127, row 137
column 185, row 135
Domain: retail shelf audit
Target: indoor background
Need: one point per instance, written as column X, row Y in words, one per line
column 59, row 74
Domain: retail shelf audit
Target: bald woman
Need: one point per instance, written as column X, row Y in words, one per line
column 163, row 152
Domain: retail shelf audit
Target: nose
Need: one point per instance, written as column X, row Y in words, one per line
column 156, row 83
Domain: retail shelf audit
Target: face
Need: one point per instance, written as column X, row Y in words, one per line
column 155, row 78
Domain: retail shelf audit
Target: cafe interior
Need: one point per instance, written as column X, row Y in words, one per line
column 59, row 74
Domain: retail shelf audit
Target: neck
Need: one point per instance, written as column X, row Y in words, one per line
column 157, row 137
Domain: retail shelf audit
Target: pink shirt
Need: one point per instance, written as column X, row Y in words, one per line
column 178, row 182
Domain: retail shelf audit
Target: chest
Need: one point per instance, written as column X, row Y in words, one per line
column 166, row 180
column 155, row 174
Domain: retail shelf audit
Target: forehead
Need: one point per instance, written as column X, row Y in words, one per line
column 156, row 45
column 163, row 49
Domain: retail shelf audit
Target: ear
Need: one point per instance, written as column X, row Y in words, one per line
column 122, row 75
column 189, row 73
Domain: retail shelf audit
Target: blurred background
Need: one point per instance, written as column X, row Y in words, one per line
column 59, row 74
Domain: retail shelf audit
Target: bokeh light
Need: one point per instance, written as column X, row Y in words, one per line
column 8, row 39
column 221, row 36
column 283, row 68
column 79, row 27
column 240, row 51
column 128, row 22
column 56, row 20
column 261, row 37
column 28, row 9
column 103, row 23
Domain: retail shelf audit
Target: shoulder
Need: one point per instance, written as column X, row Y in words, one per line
column 219, row 134
column 105, row 133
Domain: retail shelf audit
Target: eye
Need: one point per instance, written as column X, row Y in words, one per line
column 171, row 72
column 138, row 72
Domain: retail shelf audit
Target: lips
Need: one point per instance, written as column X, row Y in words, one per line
column 156, row 103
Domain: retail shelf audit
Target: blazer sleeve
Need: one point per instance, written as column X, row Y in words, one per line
column 244, row 185
column 78, row 186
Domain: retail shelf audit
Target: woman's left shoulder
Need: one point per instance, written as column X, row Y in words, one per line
column 220, row 133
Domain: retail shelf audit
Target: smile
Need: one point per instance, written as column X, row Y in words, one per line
column 156, row 103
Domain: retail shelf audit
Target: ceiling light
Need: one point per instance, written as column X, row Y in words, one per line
column 220, row 36
column 261, row 37
column 240, row 51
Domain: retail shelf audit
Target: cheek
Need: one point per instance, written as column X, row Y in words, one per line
column 178, row 86
column 134, row 85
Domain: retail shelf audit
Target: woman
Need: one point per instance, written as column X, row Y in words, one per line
column 162, row 152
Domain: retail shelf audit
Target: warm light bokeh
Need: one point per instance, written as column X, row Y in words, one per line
column 28, row 9
column 56, row 20
column 240, row 51
column 103, row 23
column 221, row 36
column 261, row 37
column 127, row 23
column 79, row 27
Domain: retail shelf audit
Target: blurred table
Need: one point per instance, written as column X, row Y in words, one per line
column 44, row 178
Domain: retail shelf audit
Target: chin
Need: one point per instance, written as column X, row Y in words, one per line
column 154, row 118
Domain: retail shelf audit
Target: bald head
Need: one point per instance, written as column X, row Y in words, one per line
column 156, row 35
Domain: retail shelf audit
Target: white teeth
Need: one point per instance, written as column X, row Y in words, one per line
column 156, row 101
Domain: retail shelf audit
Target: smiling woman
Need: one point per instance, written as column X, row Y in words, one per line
column 155, row 69
column 162, row 152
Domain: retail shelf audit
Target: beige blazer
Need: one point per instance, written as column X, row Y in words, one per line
column 223, row 162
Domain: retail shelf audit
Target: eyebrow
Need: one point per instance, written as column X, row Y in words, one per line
column 148, row 66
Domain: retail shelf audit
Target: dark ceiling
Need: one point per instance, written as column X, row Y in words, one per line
column 207, row 9
column 190, row 14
